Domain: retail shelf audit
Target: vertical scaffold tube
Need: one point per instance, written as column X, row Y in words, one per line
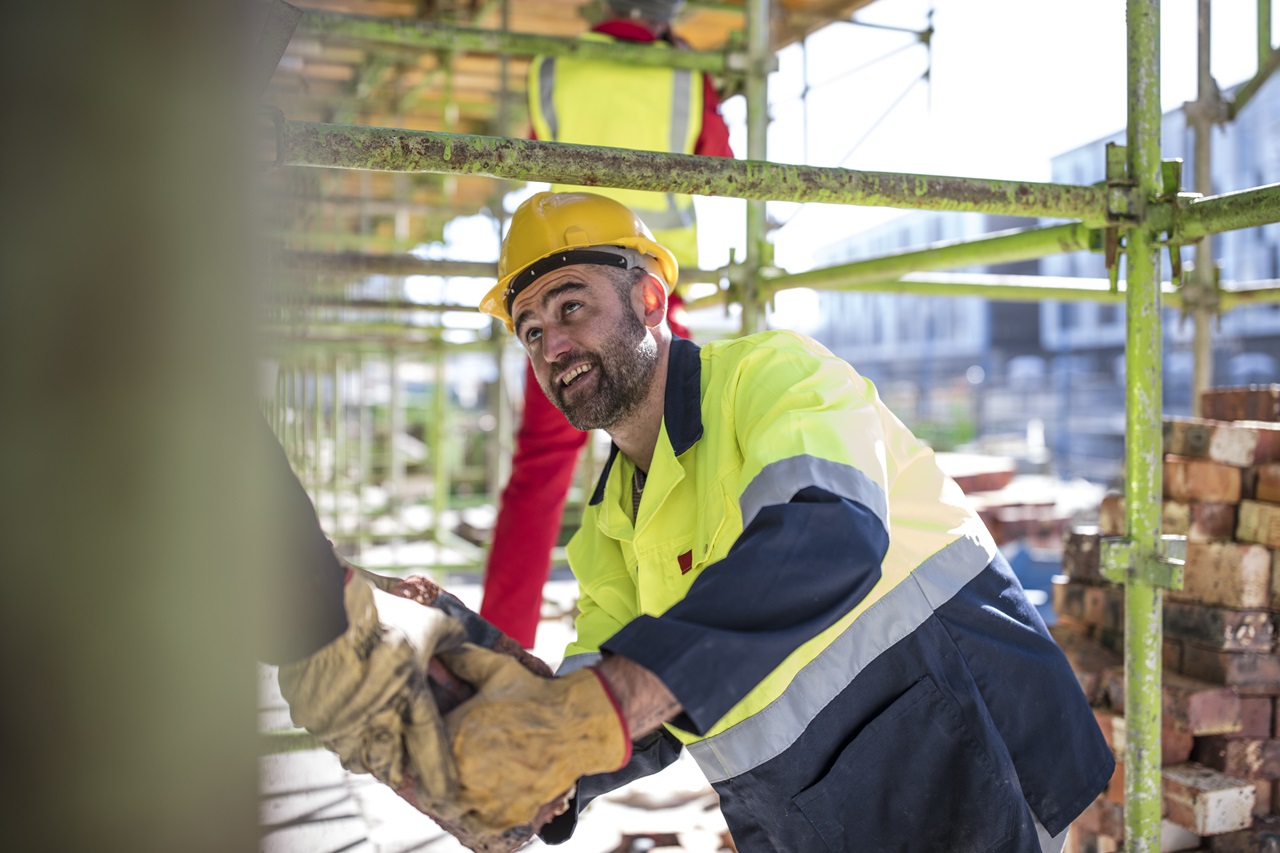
column 1202, row 317
column 1264, row 33
column 1143, row 393
column 757, row 93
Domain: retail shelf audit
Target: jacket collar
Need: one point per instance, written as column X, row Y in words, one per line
column 681, row 410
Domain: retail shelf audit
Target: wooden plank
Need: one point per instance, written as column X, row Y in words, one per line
column 1239, row 443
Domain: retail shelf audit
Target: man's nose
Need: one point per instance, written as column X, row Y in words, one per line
column 555, row 342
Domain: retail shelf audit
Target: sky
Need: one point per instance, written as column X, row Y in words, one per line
column 1012, row 84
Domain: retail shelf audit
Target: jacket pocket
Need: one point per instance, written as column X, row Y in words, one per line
column 914, row 779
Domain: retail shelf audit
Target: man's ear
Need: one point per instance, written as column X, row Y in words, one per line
column 653, row 300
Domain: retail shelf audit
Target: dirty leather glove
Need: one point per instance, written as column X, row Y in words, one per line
column 366, row 697
column 523, row 741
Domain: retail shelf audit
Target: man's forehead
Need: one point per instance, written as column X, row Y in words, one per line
column 588, row 275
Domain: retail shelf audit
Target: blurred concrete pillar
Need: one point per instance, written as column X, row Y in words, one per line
column 132, row 525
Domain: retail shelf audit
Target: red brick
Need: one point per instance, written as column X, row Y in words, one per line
column 1111, row 515
column 1087, row 659
column 1259, row 522
column 1199, row 707
column 1262, row 482
column 1200, row 480
column 1230, row 574
column 1068, row 599
column 1171, row 653
column 1080, row 551
column 1248, row 758
column 1256, row 716
column 1206, row 801
column 1254, row 672
column 1265, row 798
column 1263, row 836
column 1104, row 606
column 1233, row 443
column 1220, row 627
column 1245, row 403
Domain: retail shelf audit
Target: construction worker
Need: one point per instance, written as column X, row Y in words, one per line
column 566, row 98
column 775, row 574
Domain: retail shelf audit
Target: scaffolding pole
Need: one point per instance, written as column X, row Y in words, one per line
column 397, row 150
column 751, row 296
column 1144, row 630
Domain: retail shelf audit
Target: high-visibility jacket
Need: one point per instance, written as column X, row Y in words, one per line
column 590, row 102
column 858, row 667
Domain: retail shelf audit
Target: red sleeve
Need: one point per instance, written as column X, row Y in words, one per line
column 713, row 140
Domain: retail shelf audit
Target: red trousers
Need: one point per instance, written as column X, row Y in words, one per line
column 546, row 453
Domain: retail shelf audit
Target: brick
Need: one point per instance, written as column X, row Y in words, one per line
column 1201, row 480
column 1230, row 574
column 1262, row 836
column 1259, row 522
column 1248, row 758
column 1068, row 599
column 1253, row 672
column 1114, row 792
column 1206, row 801
column 1176, row 839
column 1080, row 554
column 1102, row 817
column 1111, row 515
column 1187, row 704
column 1171, row 652
column 1245, row 403
column 1104, row 606
column 1197, row 520
column 1199, row 707
column 1264, row 797
column 1256, row 716
column 1262, row 482
column 1220, row 627
column 1087, row 659
column 1238, row 443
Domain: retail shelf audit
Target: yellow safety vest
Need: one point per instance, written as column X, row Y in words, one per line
column 589, row 102
column 778, row 412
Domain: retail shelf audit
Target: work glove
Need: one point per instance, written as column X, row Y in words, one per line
column 523, row 741
column 366, row 696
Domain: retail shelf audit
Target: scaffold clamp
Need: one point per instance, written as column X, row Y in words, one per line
column 1120, row 561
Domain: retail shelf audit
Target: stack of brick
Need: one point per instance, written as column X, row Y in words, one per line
column 1220, row 739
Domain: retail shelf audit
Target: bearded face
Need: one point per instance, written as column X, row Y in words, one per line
column 619, row 377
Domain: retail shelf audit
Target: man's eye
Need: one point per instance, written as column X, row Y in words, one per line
column 571, row 306
column 532, row 335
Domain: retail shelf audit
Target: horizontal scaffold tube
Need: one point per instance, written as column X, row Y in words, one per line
column 1001, row 248
column 427, row 35
column 1227, row 212
column 395, row 150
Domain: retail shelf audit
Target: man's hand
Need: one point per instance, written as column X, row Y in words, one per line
column 523, row 741
column 365, row 695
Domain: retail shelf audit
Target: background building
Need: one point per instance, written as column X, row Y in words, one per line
column 966, row 369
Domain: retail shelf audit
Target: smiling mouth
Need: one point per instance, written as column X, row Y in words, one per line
column 571, row 376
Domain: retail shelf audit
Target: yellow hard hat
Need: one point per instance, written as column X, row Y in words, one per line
column 553, row 230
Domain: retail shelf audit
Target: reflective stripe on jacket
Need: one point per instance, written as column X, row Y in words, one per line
column 589, row 102
column 820, row 599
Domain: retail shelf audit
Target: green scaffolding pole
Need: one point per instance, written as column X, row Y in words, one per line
column 1143, row 629
column 420, row 35
column 397, row 150
column 751, row 296
column 1004, row 247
